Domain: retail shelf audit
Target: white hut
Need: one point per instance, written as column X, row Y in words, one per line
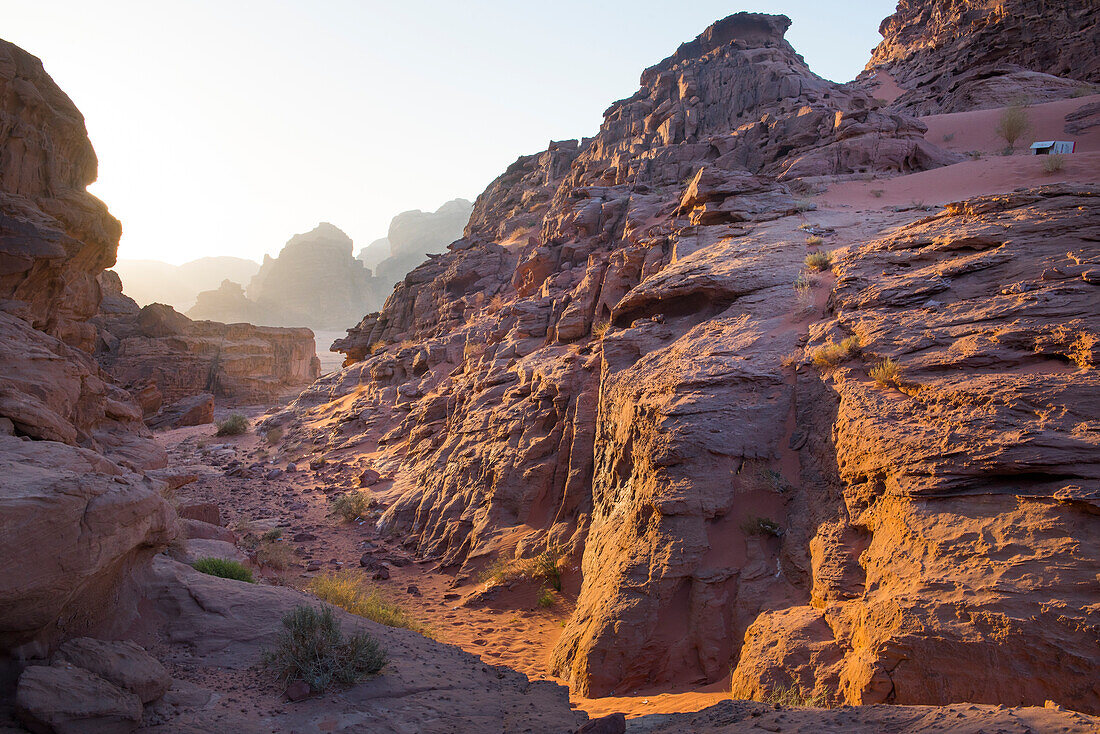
column 1049, row 147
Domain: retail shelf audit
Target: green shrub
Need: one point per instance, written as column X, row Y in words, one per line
column 346, row 590
column 234, row 425
column 223, row 568
column 351, row 505
column 1053, row 163
column 760, row 526
column 546, row 598
column 818, row 261
column 312, row 648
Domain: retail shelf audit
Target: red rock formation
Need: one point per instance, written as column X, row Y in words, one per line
column 238, row 362
column 77, row 512
column 953, row 55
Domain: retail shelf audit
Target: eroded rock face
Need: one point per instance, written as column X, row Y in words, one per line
column 76, row 512
column 183, row 358
column 602, row 364
column 952, row 56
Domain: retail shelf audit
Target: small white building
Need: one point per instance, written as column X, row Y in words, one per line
column 1048, row 147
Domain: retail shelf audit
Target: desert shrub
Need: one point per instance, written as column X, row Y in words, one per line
column 804, row 205
column 818, row 261
column 273, row 435
column 312, row 648
column 1012, row 124
column 347, row 590
column 803, row 292
column 1083, row 91
column 753, row 525
column 886, row 372
column 496, row 303
column 234, row 425
column 949, row 137
column 600, row 329
column 792, row 358
column 272, row 535
column 830, row 354
column 351, row 505
column 275, row 553
column 814, row 241
column 792, row 696
column 223, row 568
column 1053, row 163
column 546, row 598
column 543, row 567
column 877, row 193
column 376, row 347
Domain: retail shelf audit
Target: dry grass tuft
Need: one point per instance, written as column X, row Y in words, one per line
column 600, row 329
column 830, row 354
column 274, row 552
column 347, row 590
column 234, row 425
column 352, row 505
column 886, row 373
column 1053, row 163
column 818, row 261
column 815, row 241
column 543, row 567
column 1012, row 125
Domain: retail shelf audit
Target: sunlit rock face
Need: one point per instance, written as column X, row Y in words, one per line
column 952, row 56
column 77, row 511
column 613, row 362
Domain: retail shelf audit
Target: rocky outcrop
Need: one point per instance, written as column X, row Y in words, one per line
column 609, row 366
column 412, row 237
column 229, row 304
column 951, row 56
column 77, row 512
column 182, row 358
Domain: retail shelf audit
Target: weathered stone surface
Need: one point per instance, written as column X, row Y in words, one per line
column 195, row 410
column 951, row 56
column 73, row 525
column 156, row 346
column 120, row 662
column 65, row 699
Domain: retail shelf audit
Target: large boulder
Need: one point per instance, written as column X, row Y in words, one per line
column 122, row 663
column 65, row 699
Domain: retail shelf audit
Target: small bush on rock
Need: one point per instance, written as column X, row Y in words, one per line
column 761, row 526
column 886, row 373
column 223, row 568
column 818, row 261
column 830, row 354
column 351, row 505
column 234, row 425
column 313, row 649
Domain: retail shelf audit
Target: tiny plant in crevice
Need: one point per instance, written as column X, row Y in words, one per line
column 234, row 425
column 544, row 567
column 352, row 505
column 1053, row 163
column 886, row 373
column 818, row 261
column 223, row 568
column 830, row 354
column 546, row 598
column 313, row 648
column 600, row 329
column 753, row 525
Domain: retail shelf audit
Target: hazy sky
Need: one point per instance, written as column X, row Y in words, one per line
column 226, row 126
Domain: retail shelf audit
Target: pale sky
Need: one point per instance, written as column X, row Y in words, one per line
column 223, row 127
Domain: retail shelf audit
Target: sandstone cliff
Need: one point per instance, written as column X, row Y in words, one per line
column 618, row 361
column 950, row 56
column 239, row 362
column 77, row 512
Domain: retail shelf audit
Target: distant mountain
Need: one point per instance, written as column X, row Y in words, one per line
column 413, row 235
column 154, row 281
